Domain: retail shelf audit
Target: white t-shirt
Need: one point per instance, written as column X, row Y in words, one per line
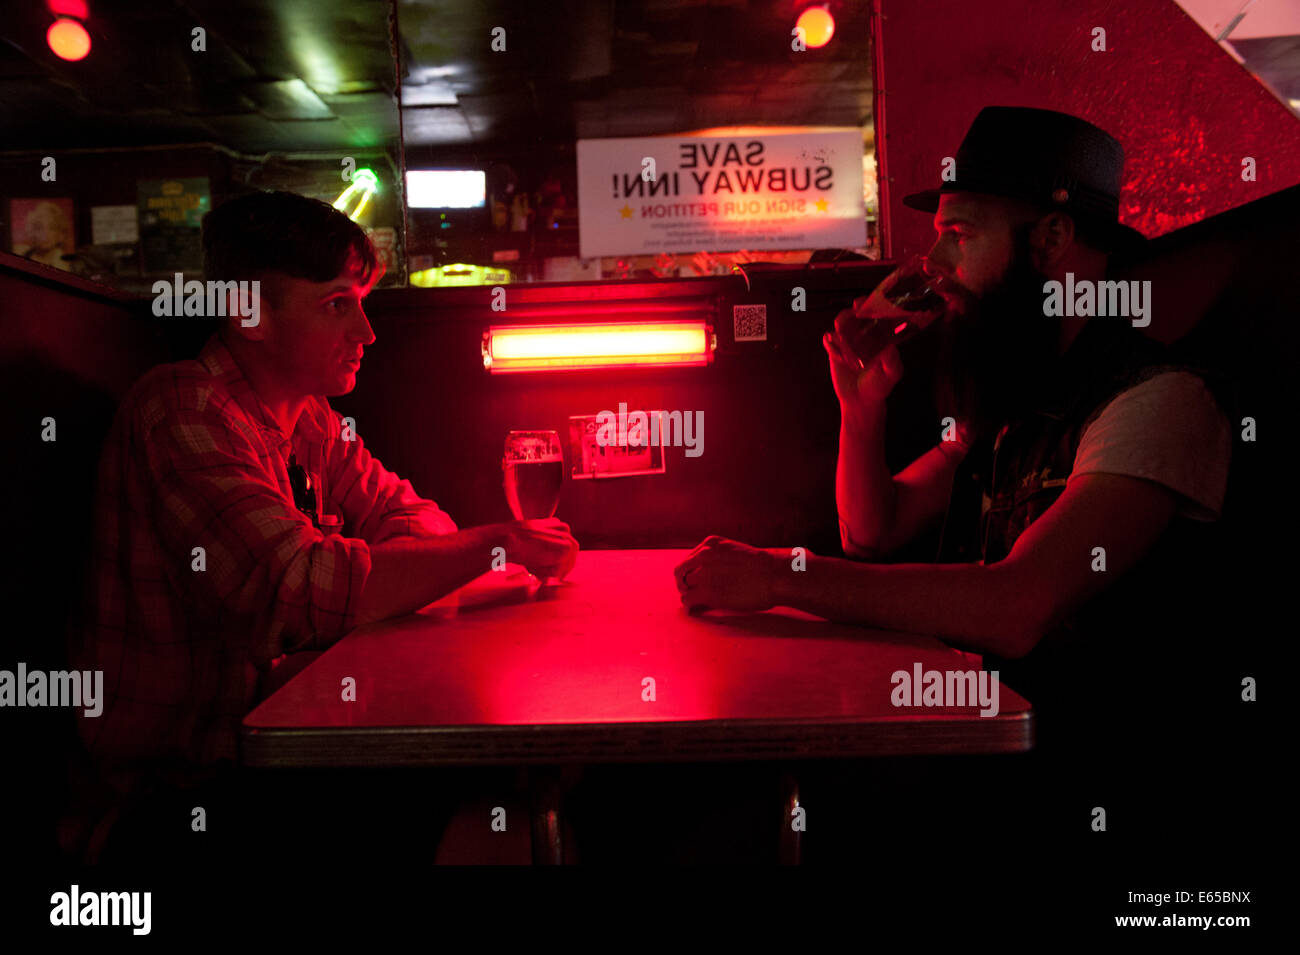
column 1170, row 430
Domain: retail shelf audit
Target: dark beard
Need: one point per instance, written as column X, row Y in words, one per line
column 997, row 353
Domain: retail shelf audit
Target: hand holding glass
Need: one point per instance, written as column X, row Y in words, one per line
column 533, row 467
column 905, row 303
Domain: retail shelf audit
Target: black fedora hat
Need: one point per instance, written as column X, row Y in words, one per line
column 1051, row 159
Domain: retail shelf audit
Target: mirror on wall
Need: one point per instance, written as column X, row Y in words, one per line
column 578, row 141
column 124, row 125
column 477, row 141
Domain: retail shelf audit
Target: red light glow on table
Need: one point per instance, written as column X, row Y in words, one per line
column 505, row 671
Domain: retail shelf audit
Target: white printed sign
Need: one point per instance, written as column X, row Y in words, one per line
column 110, row 225
column 721, row 193
column 593, row 458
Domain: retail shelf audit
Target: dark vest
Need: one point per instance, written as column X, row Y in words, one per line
column 1008, row 481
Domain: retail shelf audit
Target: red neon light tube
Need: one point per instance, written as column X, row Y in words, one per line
column 514, row 348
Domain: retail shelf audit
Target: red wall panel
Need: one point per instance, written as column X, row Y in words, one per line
column 1185, row 111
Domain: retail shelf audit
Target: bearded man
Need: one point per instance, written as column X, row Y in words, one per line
column 1077, row 450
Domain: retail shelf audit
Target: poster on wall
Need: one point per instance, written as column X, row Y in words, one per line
column 114, row 225
column 384, row 240
column 42, row 230
column 171, row 211
column 797, row 190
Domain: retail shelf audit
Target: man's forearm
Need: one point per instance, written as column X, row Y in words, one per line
column 864, row 488
column 980, row 607
column 406, row 575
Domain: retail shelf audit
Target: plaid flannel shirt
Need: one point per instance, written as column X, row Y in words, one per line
column 195, row 459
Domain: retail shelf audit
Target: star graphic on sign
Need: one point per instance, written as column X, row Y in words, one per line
column 626, row 211
column 821, row 205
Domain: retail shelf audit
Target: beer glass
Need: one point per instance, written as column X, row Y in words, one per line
column 533, row 467
column 905, row 303
column 914, row 287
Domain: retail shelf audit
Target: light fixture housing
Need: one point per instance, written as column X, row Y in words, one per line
column 556, row 347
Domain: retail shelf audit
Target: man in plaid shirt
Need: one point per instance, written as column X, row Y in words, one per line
column 207, row 576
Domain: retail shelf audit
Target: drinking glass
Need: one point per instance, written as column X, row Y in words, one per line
column 533, row 468
column 914, row 286
column 904, row 304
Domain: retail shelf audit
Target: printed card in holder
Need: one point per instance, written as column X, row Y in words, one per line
column 608, row 445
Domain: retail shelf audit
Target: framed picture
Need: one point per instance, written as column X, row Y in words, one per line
column 42, row 230
column 170, row 218
column 617, row 454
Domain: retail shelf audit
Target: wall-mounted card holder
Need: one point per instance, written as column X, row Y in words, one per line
column 595, row 454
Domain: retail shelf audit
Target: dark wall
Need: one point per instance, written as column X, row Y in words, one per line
column 1229, row 277
column 69, row 354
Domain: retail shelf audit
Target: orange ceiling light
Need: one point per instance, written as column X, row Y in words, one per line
column 818, row 26
column 68, row 40
column 515, row 348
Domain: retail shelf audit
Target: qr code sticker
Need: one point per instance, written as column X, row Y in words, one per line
column 750, row 323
